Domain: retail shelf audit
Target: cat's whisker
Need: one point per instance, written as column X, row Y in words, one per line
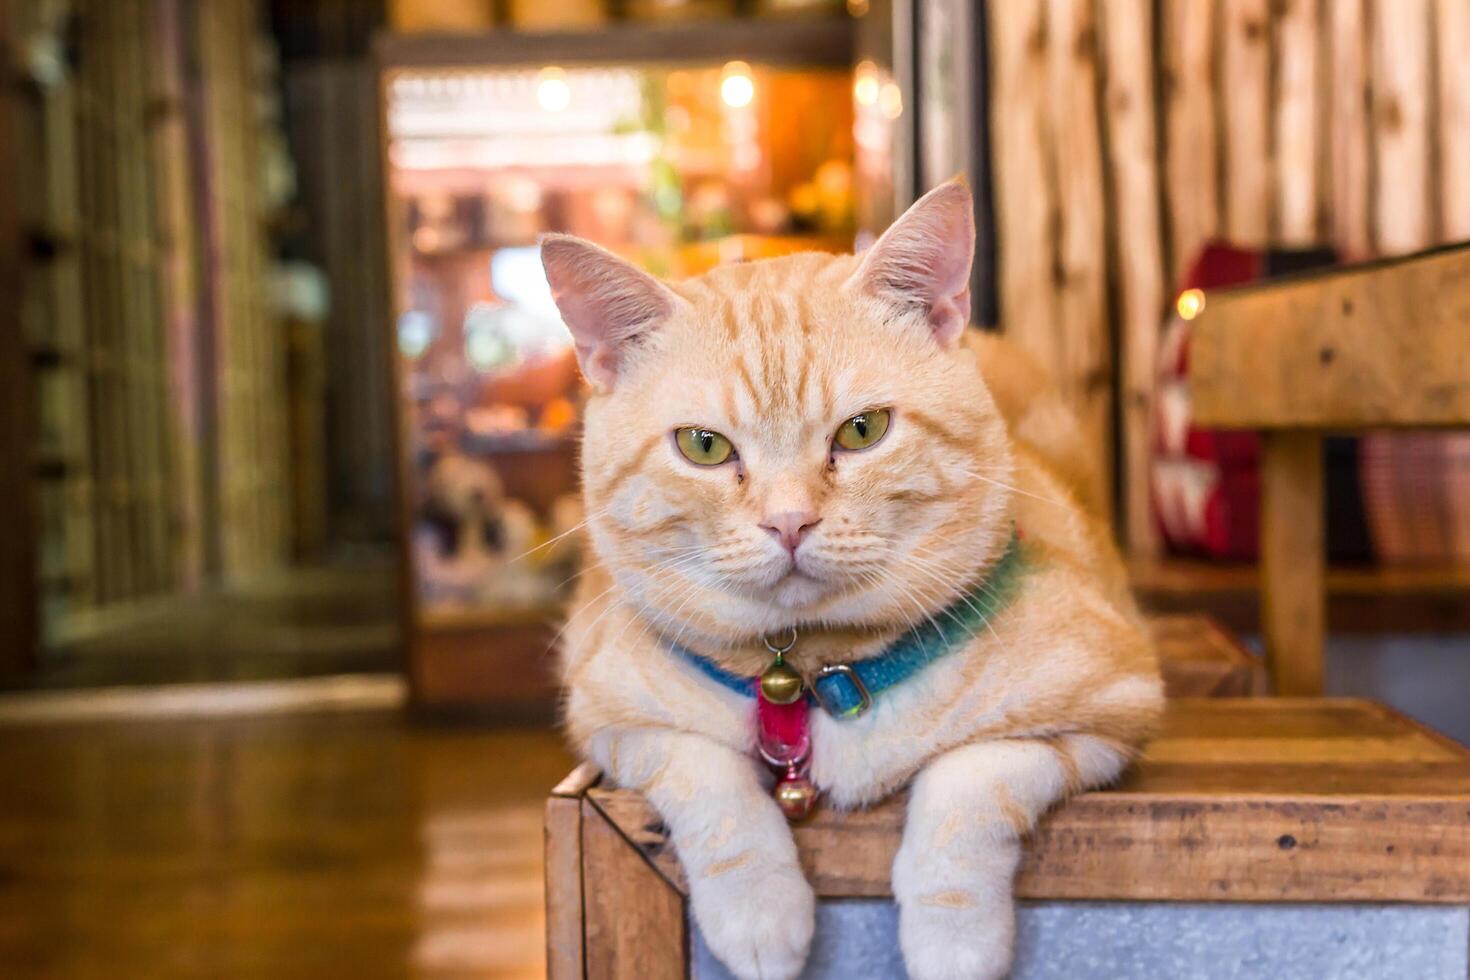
column 569, row 531
column 1014, row 489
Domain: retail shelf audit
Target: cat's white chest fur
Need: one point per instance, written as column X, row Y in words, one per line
column 859, row 760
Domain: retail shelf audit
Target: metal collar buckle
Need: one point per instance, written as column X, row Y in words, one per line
column 865, row 699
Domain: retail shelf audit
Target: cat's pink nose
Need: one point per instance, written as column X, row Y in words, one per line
column 791, row 527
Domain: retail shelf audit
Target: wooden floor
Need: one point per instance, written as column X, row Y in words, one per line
column 355, row 845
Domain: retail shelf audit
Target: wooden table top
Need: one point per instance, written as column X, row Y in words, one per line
column 1250, row 799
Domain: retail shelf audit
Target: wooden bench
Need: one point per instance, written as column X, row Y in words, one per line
column 1379, row 346
column 1256, row 837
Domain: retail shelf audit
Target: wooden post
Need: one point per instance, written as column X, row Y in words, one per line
column 1452, row 29
column 1084, row 344
column 1025, row 199
column 1128, row 34
column 1293, row 583
column 1191, row 146
column 1348, row 131
column 1401, row 87
column 1246, row 94
column 1297, row 152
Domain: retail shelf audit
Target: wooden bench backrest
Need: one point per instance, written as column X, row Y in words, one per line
column 1378, row 346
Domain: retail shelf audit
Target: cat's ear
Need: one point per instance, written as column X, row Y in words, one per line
column 922, row 262
column 607, row 303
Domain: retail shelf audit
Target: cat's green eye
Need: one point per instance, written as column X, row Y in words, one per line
column 862, row 430
column 703, row 446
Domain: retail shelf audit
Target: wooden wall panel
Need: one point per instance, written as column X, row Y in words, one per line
column 1135, row 241
column 1401, row 92
column 1084, row 339
column 1025, row 197
column 1049, row 182
column 1298, row 124
column 1452, row 32
column 1191, row 121
column 1348, row 130
column 1246, row 108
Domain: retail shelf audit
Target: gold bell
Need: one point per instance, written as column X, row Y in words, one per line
column 796, row 796
column 780, row 684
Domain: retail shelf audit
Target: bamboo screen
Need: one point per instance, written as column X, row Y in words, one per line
column 1126, row 133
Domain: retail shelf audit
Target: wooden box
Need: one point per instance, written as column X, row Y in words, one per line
column 1320, row 806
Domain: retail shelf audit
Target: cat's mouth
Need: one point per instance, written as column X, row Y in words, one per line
column 798, row 587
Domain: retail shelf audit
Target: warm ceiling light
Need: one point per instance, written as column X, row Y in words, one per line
column 1191, row 303
column 737, row 88
column 857, row 8
column 552, row 91
column 865, row 83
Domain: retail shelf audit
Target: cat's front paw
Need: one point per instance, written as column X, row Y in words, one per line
column 954, row 935
column 757, row 919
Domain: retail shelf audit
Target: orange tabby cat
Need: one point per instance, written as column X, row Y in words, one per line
column 817, row 442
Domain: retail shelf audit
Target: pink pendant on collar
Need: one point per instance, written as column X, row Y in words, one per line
column 783, row 734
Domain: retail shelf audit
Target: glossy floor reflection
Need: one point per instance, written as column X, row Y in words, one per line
column 356, row 845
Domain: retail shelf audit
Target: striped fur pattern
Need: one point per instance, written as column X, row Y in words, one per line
column 1052, row 697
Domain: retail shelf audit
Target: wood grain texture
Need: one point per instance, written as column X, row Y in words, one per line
column 354, row 844
column 1025, row 195
column 1239, row 800
column 1348, row 129
column 1191, row 118
column 1401, row 139
column 1452, row 32
column 1360, row 599
column 802, row 41
column 1201, row 660
column 1137, row 244
column 1293, row 549
column 635, row 926
column 1377, row 346
column 1246, row 109
column 1083, row 360
column 565, row 957
column 1297, row 154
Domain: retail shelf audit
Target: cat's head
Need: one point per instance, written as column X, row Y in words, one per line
column 800, row 440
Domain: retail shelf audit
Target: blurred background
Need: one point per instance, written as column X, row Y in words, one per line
column 288, row 422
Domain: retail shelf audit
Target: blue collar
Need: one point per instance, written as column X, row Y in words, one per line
column 847, row 690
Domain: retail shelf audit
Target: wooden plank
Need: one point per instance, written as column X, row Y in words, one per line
column 1360, row 599
column 19, row 589
column 1200, row 660
column 565, row 958
column 1209, row 813
column 1191, row 141
column 1083, row 364
column 578, row 781
column 1452, row 31
column 1376, row 346
column 1246, row 108
column 1348, row 128
column 1297, row 153
column 635, row 924
column 1293, row 546
column 1133, row 147
column 1401, row 88
column 806, row 42
column 1025, row 193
